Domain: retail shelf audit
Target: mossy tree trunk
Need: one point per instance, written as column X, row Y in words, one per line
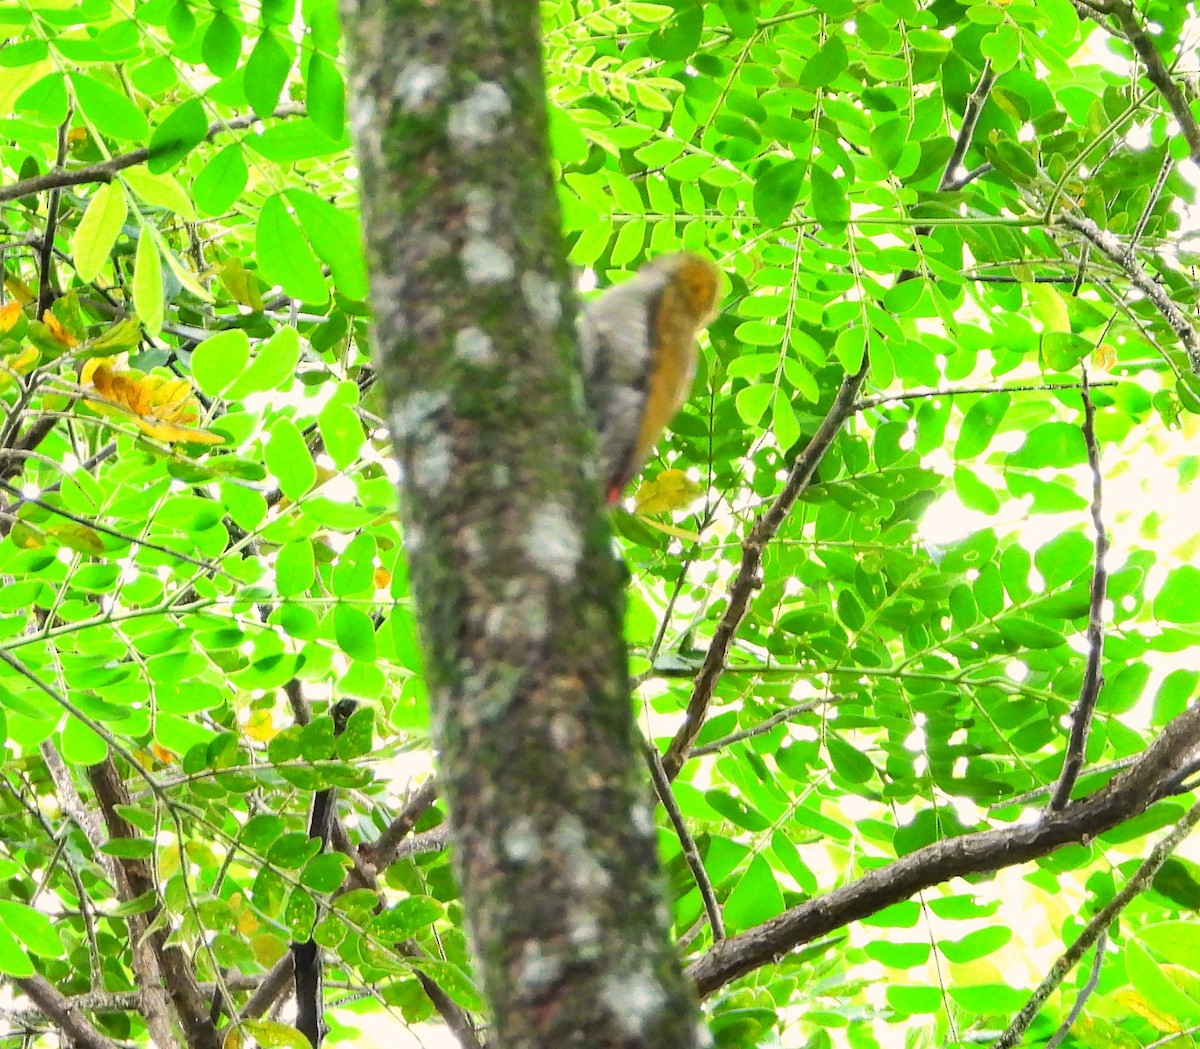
column 519, row 598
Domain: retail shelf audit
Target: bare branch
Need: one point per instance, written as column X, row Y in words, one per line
column 104, row 171
column 1089, row 690
column 62, row 1012
column 691, row 854
column 1147, row 285
column 748, row 578
column 1085, row 993
column 1124, row 797
column 138, row 875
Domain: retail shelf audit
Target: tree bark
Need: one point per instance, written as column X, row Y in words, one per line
column 518, row 596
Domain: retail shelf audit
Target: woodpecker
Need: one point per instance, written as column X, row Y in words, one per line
column 638, row 346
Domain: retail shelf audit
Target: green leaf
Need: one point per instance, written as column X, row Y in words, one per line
column 221, row 182
column 405, row 918
column 1153, row 983
column 266, row 72
column 97, row 232
column 980, row 425
column 13, row 959
column 274, row 364
column 355, row 632
column 109, row 111
column 285, row 256
column 159, row 191
column 295, row 570
column 1055, row 445
column 977, row 944
column 776, row 191
column 754, row 899
column 222, row 45
column 826, row 65
column 341, row 433
column 829, row 204
column 219, row 360
column 325, row 873
column 148, row 283
column 337, row 239
column 181, row 132
column 45, row 102
column 33, row 928
column 326, row 96
column 288, row 458
column 1177, row 601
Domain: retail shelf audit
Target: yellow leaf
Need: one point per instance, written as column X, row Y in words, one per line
column 241, row 283
column 1104, row 357
column 17, row 364
column 78, row 537
column 26, row 536
column 260, row 725
column 383, row 578
column 268, row 948
column 167, row 757
column 162, row 406
column 1138, row 1005
column 670, row 490
column 57, row 330
column 9, row 313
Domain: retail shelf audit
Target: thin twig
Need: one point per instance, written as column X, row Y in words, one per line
column 1111, row 248
column 1099, row 923
column 691, row 854
column 1089, row 691
column 763, row 727
column 105, row 170
column 1085, row 992
column 749, row 577
column 962, row 391
column 46, row 254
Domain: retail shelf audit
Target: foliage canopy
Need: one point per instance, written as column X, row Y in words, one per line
column 985, row 197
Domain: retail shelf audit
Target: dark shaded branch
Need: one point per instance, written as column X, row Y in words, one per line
column 46, row 251
column 381, row 852
column 1124, row 797
column 138, row 876
column 104, row 171
column 1089, row 690
column 976, row 100
column 60, row 1010
column 1157, row 73
column 691, row 854
column 749, row 578
column 1098, row 925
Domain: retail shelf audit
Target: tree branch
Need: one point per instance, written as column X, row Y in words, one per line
column 1147, row 285
column 748, row 578
column 1095, row 928
column 105, row 170
column 63, row 1013
column 1124, row 797
column 177, row 975
column 1089, row 690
